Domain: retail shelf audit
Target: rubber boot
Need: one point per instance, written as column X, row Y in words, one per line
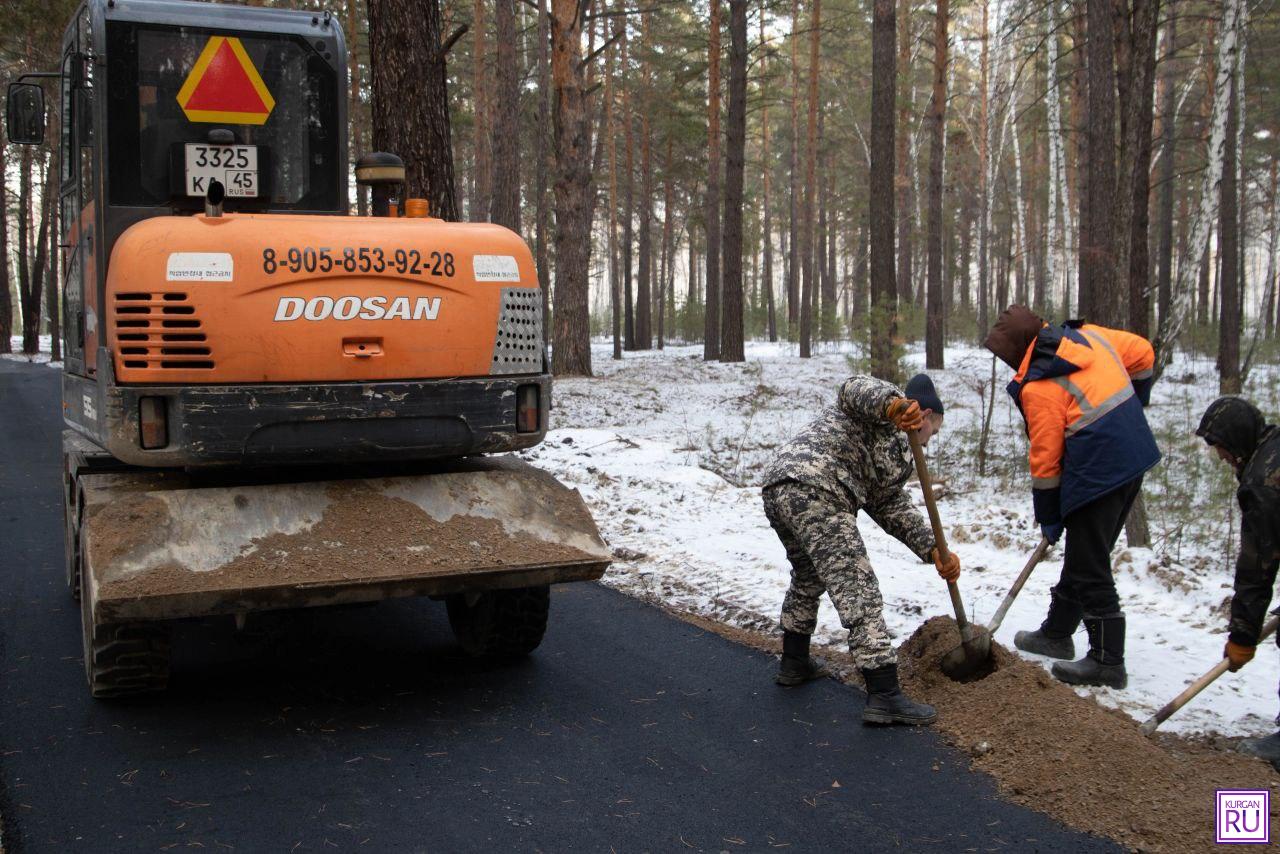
column 1104, row 663
column 1267, row 748
column 1053, row 638
column 886, row 704
column 796, row 667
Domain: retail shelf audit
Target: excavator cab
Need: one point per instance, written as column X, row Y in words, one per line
column 271, row 402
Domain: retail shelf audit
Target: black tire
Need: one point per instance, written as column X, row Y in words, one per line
column 71, row 517
column 124, row 659
column 501, row 624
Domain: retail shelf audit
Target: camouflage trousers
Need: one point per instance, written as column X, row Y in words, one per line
column 827, row 555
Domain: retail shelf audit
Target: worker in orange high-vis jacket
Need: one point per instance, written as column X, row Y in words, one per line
column 1081, row 390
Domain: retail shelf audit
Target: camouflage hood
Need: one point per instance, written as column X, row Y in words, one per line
column 1236, row 425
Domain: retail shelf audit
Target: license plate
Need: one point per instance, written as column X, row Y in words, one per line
column 235, row 166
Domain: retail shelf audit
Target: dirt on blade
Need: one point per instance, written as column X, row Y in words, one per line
column 1065, row 755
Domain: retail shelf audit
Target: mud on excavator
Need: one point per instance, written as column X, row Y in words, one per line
column 273, row 403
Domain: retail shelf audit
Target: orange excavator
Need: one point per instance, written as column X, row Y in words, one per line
column 272, row 403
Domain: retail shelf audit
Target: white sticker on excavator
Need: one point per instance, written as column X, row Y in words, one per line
column 200, row 267
column 495, row 268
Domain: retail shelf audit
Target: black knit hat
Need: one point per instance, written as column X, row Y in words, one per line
column 921, row 390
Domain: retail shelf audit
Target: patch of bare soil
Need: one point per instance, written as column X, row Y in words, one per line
column 1087, row 766
column 1058, row 753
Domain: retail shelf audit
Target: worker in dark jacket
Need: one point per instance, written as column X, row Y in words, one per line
column 1081, row 389
column 853, row 457
column 1237, row 431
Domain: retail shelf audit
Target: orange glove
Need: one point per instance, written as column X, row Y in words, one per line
column 1238, row 655
column 905, row 414
column 948, row 569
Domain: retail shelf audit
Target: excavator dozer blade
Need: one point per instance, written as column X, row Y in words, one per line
column 157, row 546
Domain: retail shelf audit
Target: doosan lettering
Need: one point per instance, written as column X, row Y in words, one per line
column 351, row 308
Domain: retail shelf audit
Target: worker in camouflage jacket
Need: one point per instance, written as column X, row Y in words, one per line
column 1241, row 436
column 853, row 457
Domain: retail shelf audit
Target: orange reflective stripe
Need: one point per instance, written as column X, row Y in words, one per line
column 1046, row 482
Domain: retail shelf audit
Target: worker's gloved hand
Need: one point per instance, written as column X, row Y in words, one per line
column 905, row 414
column 949, row 569
column 1053, row 532
column 1238, row 655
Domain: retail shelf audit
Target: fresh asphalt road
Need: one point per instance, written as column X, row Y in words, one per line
column 363, row 728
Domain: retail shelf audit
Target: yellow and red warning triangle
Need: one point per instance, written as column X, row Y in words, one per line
column 224, row 86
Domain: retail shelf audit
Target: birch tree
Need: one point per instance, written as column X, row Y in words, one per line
column 1210, row 186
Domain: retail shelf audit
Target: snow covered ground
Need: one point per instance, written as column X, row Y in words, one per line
column 41, row 358
column 667, row 450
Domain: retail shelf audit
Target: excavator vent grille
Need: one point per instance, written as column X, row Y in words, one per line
column 518, row 347
column 160, row 330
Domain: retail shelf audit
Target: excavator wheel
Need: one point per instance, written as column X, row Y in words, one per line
column 123, row 659
column 72, row 514
column 500, row 624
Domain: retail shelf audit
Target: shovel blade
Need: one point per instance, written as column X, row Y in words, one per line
column 970, row 660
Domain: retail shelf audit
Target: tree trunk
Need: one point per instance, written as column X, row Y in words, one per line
column 883, row 285
column 668, row 252
column 766, row 171
column 934, row 333
column 1168, row 151
column 1099, row 296
column 504, row 207
column 711, row 305
column 6, row 301
column 645, row 277
column 906, row 241
column 481, row 164
column 984, row 169
column 542, row 206
column 731, row 345
column 1080, row 95
column 830, row 299
column 24, row 238
column 1268, row 321
column 1210, row 183
column 615, row 282
column 1229, row 257
column 1135, row 75
column 810, row 178
column 572, row 353
column 793, row 224
column 354, row 119
column 52, row 311
column 32, row 300
column 628, row 194
column 410, row 108
column 1056, row 184
column 858, row 310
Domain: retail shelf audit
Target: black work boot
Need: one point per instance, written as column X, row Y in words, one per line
column 1104, row 663
column 796, row 667
column 1267, row 748
column 886, row 704
column 1053, row 638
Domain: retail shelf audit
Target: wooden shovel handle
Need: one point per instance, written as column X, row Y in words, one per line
column 1268, row 629
column 926, row 487
column 1036, row 557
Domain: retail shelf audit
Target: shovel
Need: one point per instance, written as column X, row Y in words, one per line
column 1268, row 629
column 974, row 651
column 954, row 662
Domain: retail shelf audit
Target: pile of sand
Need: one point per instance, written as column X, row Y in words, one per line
column 1065, row 755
